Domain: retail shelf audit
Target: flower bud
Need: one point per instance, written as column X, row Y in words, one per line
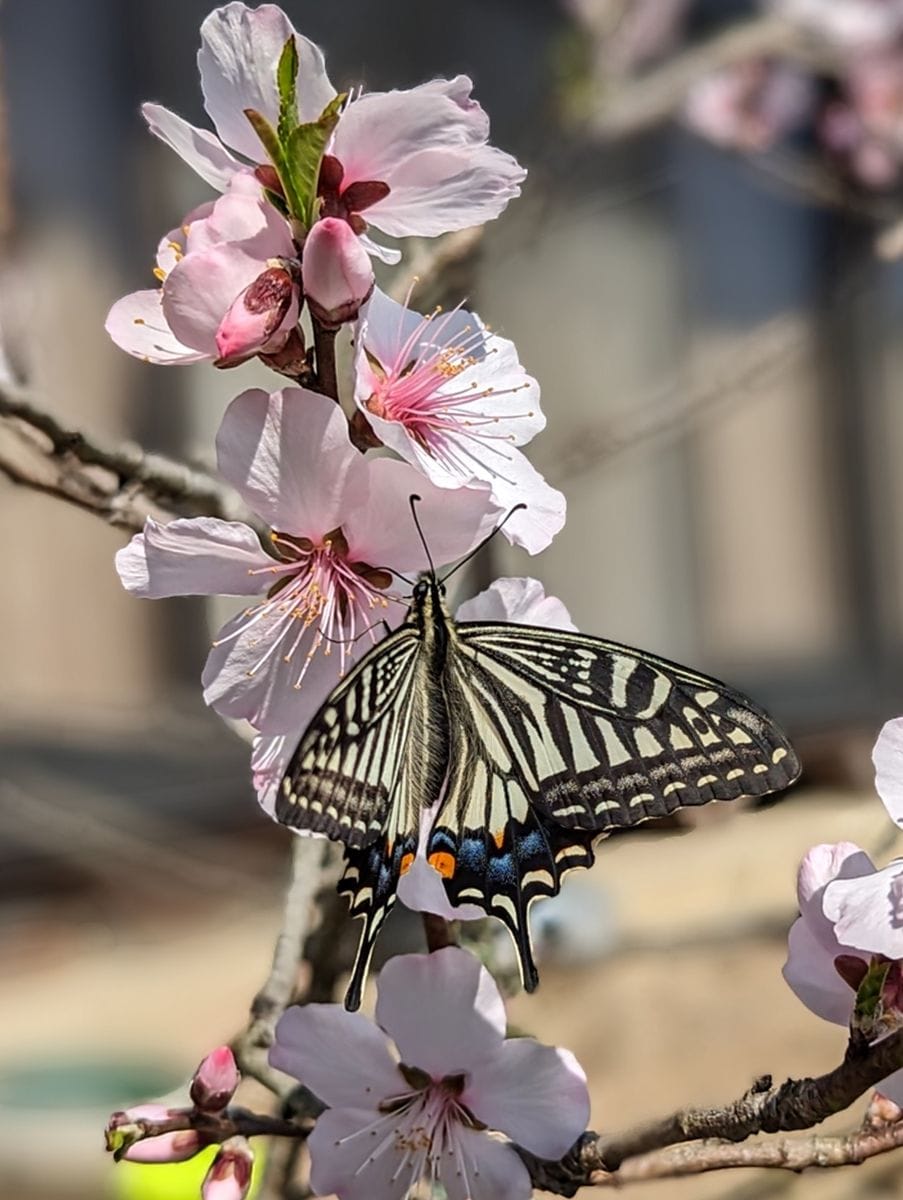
column 883, row 1111
column 260, row 317
column 338, row 277
column 215, row 1081
column 229, row 1177
column 122, row 1127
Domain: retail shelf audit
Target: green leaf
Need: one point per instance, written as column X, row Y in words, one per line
column 869, row 1008
column 287, row 82
column 276, row 155
column 304, row 153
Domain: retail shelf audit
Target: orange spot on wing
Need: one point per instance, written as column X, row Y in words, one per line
column 443, row 863
column 499, row 838
column 406, row 863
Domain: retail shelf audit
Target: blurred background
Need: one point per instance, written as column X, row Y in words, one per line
column 702, row 275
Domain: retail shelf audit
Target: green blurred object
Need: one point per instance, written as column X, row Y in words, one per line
column 175, row 1181
column 81, row 1083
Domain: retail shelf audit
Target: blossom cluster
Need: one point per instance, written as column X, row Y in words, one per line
column 853, row 111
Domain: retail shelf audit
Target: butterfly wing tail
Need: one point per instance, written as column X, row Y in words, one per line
column 504, row 872
column 371, row 883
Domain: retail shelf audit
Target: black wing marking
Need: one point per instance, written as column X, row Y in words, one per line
column 350, row 776
column 607, row 736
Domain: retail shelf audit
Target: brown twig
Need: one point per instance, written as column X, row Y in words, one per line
column 121, row 484
column 252, row 1045
column 795, row 1104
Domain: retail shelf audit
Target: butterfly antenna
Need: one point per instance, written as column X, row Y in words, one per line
column 485, row 542
column 414, row 501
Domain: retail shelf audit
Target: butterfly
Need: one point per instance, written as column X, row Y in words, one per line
column 525, row 745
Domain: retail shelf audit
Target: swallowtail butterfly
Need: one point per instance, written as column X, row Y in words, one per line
column 527, row 744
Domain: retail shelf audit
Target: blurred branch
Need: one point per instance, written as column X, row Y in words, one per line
column 758, row 361
column 309, row 857
column 621, row 108
column 635, row 1154
column 121, row 484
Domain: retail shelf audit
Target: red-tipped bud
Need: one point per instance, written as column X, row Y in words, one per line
column 123, row 1128
column 260, row 317
column 883, row 1111
column 338, row 277
column 229, row 1177
column 215, row 1081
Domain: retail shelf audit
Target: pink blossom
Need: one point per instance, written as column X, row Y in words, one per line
column 229, row 1175
column 218, row 261
column 341, row 529
column 424, row 1116
column 453, row 400
column 167, row 1147
column 851, row 912
column 215, row 1080
column 417, row 162
column 851, row 25
column 751, row 105
column 524, row 602
column 338, row 277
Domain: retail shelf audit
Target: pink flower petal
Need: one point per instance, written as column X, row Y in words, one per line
column 825, row 863
column 522, row 601
column 290, row 458
column 342, row 1057
column 240, row 49
column 535, row 1094
column 341, row 1163
column 243, row 216
column 809, row 971
column 381, row 530
column 247, row 678
column 428, row 145
column 868, row 911
column 202, row 151
column 200, row 290
column 888, row 759
column 199, row 556
column 493, row 1171
column 442, row 1010
column 421, row 889
column 137, row 325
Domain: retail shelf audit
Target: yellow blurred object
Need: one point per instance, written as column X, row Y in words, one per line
column 175, row 1181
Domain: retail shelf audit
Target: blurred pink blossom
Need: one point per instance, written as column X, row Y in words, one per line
column 850, row 24
column 425, row 1114
column 750, row 106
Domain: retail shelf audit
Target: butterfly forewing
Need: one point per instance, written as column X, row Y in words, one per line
column 613, row 736
column 348, row 775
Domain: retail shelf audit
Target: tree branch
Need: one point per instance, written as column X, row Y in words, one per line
column 121, row 484
column 795, row 1104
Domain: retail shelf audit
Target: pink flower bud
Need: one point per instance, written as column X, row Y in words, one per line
column 883, row 1111
column 338, row 277
column 260, row 318
column 229, row 1176
column 215, row 1081
column 167, row 1147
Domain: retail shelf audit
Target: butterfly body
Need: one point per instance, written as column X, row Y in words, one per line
column 523, row 745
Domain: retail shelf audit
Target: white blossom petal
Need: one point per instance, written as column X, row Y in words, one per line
column 203, row 152
column 809, row 971
column 137, row 325
column 442, row 1010
column 868, row 911
column 240, row 49
column 197, row 556
column 341, row 1056
column 290, row 458
column 492, row 1170
column 341, row 1163
column 535, row 1094
column 200, row 290
column 888, row 759
column 522, row 601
